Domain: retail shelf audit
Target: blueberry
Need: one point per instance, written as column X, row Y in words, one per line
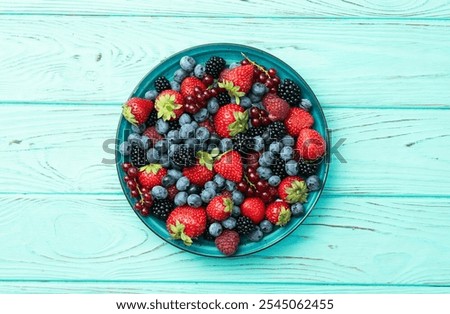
column 266, row 226
column 287, row 153
column 266, row 159
column 175, row 173
column 199, row 71
column 194, row 189
column 187, row 131
column 151, row 94
column 180, row 75
column 237, row 197
column 256, row 235
column 211, row 185
column 173, row 137
column 202, row 133
column 234, row 65
column 214, row 139
column 275, row 147
column 225, row 145
column 274, row 180
column 174, row 165
column 182, row 184
column 236, row 211
column 124, row 148
column 185, row 118
column 159, row 192
column 134, row 138
column 259, row 105
column 215, row 229
column 297, row 209
column 168, row 181
column 162, row 146
column 232, row 100
column 259, row 143
column 288, row 140
column 219, row 180
column 230, row 185
column 175, row 86
column 153, row 156
column 194, row 124
column 207, row 195
column 194, row 200
column 291, row 168
column 245, row 102
column 266, row 136
column 192, row 142
column 229, row 223
column 259, row 89
column 187, row 63
column 201, row 115
column 145, row 142
column 253, row 98
column 306, row 104
column 213, row 105
column 161, row 126
column 313, row 183
column 264, row 172
column 164, row 161
column 180, row 199
column 138, row 128
column 172, row 149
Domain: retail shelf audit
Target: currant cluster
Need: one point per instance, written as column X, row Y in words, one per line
column 145, row 199
column 254, row 186
column 259, row 117
column 268, row 78
column 195, row 103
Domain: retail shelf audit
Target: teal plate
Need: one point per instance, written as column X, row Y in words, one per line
column 231, row 53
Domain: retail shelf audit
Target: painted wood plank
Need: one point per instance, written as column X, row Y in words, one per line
column 286, row 8
column 59, row 149
column 346, row 240
column 207, row 288
column 370, row 63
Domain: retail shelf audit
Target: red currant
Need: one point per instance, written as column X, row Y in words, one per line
column 245, row 62
column 190, row 99
column 148, row 203
column 266, row 197
column 132, row 184
column 147, row 196
column 272, row 72
column 213, row 92
column 133, row 172
column 126, row 178
column 145, row 212
column 208, row 79
column 256, row 122
column 265, row 121
column 273, row 90
column 126, row 166
column 262, row 78
column 138, row 206
column 135, row 193
column 144, row 190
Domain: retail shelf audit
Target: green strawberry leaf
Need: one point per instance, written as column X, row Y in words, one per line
column 128, row 115
column 232, row 90
column 284, row 216
column 152, row 168
column 297, row 192
column 215, row 152
column 240, row 124
column 205, row 159
column 166, row 106
column 228, row 203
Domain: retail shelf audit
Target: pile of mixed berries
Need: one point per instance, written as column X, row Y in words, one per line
column 222, row 151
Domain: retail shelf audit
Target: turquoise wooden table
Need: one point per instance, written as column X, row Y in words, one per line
column 381, row 70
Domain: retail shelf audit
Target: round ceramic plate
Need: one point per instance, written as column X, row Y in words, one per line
column 231, row 53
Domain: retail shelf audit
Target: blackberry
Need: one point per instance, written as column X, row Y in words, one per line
column 277, row 130
column 307, row 169
column 256, row 131
column 173, row 125
column 223, row 98
column 151, row 121
column 161, row 84
column 184, row 156
column 162, row 208
column 214, row 66
column 137, row 155
column 243, row 143
column 244, row 225
column 290, row 92
column 278, row 167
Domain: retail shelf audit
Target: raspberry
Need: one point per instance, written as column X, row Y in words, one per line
column 227, row 242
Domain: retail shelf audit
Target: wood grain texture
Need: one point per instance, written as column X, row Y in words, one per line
column 59, row 149
column 347, row 63
column 233, row 8
column 346, row 240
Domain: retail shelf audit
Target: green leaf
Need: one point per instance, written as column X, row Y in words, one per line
column 215, row 152
column 284, row 216
column 240, row 124
column 166, row 107
column 128, row 115
column 233, row 91
column 205, row 159
column 151, row 168
column 228, row 203
column 297, row 192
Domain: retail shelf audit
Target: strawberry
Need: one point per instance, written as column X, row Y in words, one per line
column 198, row 174
column 186, row 223
column 219, row 208
column 229, row 166
column 151, row 175
column 151, row 133
column 253, row 208
column 137, row 110
column 278, row 213
column 227, row 242
column 297, row 120
column 189, row 84
column 172, row 191
column 237, row 81
column 293, row 189
column 230, row 120
column 277, row 107
column 310, row 144
column 169, row 104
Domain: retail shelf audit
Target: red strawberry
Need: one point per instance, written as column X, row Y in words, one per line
column 219, row 208
column 137, row 110
column 277, row 107
column 297, row 120
column 198, row 174
column 293, row 189
column 169, row 104
column 253, row 208
column 209, row 125
column 278, row 213
column 237, row 81
column 186, row 222
column 227, row 242
column 230, row 120
column 189, row 84
column 310, row 144
column 151, row 175
column 229, row 166
column 151, row 133
column 172, row 190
